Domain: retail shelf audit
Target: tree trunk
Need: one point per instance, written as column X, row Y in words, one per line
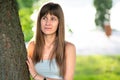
column 12, row 47
column 108, row 30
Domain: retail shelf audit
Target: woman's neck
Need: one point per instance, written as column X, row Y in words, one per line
column 49, row 43
column 49, row 40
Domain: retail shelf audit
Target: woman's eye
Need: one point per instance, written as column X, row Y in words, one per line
column 44, row 18
column 53, row 19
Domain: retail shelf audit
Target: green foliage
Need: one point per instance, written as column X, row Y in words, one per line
column 26, row 23
column 102, row 11
column 25, row 11
column 25, row 4
column 97, row 67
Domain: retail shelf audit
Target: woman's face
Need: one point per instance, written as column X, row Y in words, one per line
column 49, row 24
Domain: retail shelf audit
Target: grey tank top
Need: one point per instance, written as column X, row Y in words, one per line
column 48, row 70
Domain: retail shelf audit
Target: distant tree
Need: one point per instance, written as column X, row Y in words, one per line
column 12, row 48
column 102, row 12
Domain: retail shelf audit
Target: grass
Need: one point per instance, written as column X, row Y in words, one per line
column 97, row 67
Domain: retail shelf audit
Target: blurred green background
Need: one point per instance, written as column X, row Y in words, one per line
column 97, row 67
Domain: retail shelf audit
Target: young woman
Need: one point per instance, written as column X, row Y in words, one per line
column 50, row 57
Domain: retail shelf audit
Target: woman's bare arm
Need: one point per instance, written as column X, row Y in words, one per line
column 70, row 61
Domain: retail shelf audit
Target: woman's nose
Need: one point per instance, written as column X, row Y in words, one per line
column 48, row 22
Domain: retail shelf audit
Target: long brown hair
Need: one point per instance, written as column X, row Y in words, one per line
column 59, row 43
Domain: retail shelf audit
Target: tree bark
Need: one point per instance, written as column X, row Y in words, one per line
column 12, row 47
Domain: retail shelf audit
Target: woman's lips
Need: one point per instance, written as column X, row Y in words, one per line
column 48, row 28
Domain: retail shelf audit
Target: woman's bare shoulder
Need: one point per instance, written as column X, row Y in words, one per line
column 70, row 48
column 31, row 44
column 30, row 48
column 69, row 45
